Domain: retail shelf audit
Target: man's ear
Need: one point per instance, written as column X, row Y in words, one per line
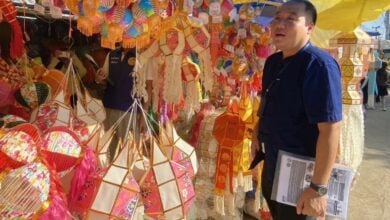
column 310, row 28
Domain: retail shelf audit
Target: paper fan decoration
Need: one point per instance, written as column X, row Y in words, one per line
column 62, row 149
column 105, row 5
column 10, row 121
column 177, row 149
column 115, row 15
column 19, row 146
column 33, row 94
column 167, row 189
column 124, row 3
column 53, row 113
column 118, row 194
column 24, row 191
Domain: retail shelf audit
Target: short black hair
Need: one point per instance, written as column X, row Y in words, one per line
column 310, row 9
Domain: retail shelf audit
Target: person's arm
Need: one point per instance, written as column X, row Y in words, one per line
column 322, row 94
column 102, row 73
column 326, row 151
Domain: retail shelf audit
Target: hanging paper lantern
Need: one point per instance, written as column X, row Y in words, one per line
column 53, row 113
column 73, row 6
column 147, row 7
column 139, row 14
column 90, row 7
column 61, row 148
column 127, row 19
column 54, row 78
column 135, row 30
column 154, row 23
column 24, row 191
column 115, row 15
column 104, row 30
column 105, row 5
column 92, row 112
column 19, row 146
column 167, row 188
column 124, row 3
column 117, row 195
column 177, row 149
column 33, row 94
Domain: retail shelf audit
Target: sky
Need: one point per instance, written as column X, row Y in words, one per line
column 371, row 26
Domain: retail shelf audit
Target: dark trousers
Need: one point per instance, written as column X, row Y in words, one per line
column 278, row 210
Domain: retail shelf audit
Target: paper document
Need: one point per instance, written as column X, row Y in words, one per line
column 293, row 175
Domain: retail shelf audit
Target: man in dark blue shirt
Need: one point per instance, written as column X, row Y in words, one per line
column 301, row 107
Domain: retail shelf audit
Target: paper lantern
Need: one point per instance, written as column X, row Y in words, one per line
column 227, row 140
column 117, row 196
column 124, row 3
column 177, row 149
column 105, row 5
column 61, row 148
column 91, row 114
column 55, row 79
column 73, row 6
column 53, row 113
column 33, row 94
column 115, row 15
column 90, row 7
column 19, row 146
column 24, row 192
column 167, row 188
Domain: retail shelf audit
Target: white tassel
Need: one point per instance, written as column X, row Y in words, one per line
column 352, row 136
column 230, row 204
column 248, row 183
column 208, row 75
column 192, row 100
column 219, row 204
column 172, row 81
column 256, row 204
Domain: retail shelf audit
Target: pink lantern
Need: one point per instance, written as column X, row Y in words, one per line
column 61, row 148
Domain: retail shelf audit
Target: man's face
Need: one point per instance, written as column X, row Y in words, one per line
column 291, row 26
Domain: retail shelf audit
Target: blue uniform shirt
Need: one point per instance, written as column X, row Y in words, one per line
column 120, row 81
column 298, row 92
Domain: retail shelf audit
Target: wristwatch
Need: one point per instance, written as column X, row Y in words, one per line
column 320, row 189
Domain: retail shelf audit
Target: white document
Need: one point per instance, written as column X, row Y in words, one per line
column 293, row 175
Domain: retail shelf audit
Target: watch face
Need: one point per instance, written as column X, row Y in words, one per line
column 322, row 191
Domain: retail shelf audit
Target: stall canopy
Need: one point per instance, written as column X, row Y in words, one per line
column 346, row 15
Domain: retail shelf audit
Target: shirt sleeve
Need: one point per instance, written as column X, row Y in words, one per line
column 322, row 92
column 105, row 65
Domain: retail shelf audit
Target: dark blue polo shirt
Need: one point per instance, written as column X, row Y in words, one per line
column 308, row 92
column 120, row 81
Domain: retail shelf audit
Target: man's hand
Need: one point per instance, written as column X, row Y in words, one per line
column 311, row 204
column 100, row 76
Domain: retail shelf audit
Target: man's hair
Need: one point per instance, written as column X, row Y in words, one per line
column 310, row 9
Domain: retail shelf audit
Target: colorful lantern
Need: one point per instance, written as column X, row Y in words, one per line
column 19, row 146
column 118, row 192
column 24, row 192
column 61, row 148
column 167, row 188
